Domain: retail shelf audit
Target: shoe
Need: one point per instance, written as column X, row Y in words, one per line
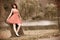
column 17, row 34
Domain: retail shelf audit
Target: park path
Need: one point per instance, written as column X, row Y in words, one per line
column 39, row 23
column 35, row 37
column 52, row 38
column 24, row 38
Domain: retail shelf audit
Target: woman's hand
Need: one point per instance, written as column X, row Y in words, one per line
column 7, row 18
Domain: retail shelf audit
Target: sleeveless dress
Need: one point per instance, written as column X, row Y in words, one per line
column 14, row 19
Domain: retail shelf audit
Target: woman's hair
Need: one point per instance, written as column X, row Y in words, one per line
column 15, row 5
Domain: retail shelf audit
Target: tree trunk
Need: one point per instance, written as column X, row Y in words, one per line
column 58, row 6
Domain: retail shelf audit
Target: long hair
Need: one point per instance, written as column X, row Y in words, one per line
column 15, row 5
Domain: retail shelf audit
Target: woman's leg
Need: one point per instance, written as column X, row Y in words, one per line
column 19, row 25
column 14, row 27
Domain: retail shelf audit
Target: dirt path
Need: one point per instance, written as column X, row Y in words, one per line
column 42, row 35
column 52, row 38
column 40, row 23
column 27, row 38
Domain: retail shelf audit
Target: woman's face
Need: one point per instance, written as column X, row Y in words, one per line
column 14, row 6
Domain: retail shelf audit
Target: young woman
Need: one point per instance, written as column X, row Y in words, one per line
column 15, row 18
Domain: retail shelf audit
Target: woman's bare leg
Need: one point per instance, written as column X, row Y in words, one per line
column 18, row 27
column 14, row 27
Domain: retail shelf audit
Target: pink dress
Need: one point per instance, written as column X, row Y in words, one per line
column 14, row 19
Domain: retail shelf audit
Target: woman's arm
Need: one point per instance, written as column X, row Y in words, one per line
column 10, row 14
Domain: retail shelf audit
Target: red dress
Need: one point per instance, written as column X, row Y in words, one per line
column 15, row 19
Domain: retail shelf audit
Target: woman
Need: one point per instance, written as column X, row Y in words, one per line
column 15, row 18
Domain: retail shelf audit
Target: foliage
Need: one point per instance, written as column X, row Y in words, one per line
column 51, row 10
column 29, row 8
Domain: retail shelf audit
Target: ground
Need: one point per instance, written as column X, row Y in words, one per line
column 51, row 34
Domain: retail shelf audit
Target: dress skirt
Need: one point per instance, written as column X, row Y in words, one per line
column 14, row 19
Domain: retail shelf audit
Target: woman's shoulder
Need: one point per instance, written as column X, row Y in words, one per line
column 14, row 9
